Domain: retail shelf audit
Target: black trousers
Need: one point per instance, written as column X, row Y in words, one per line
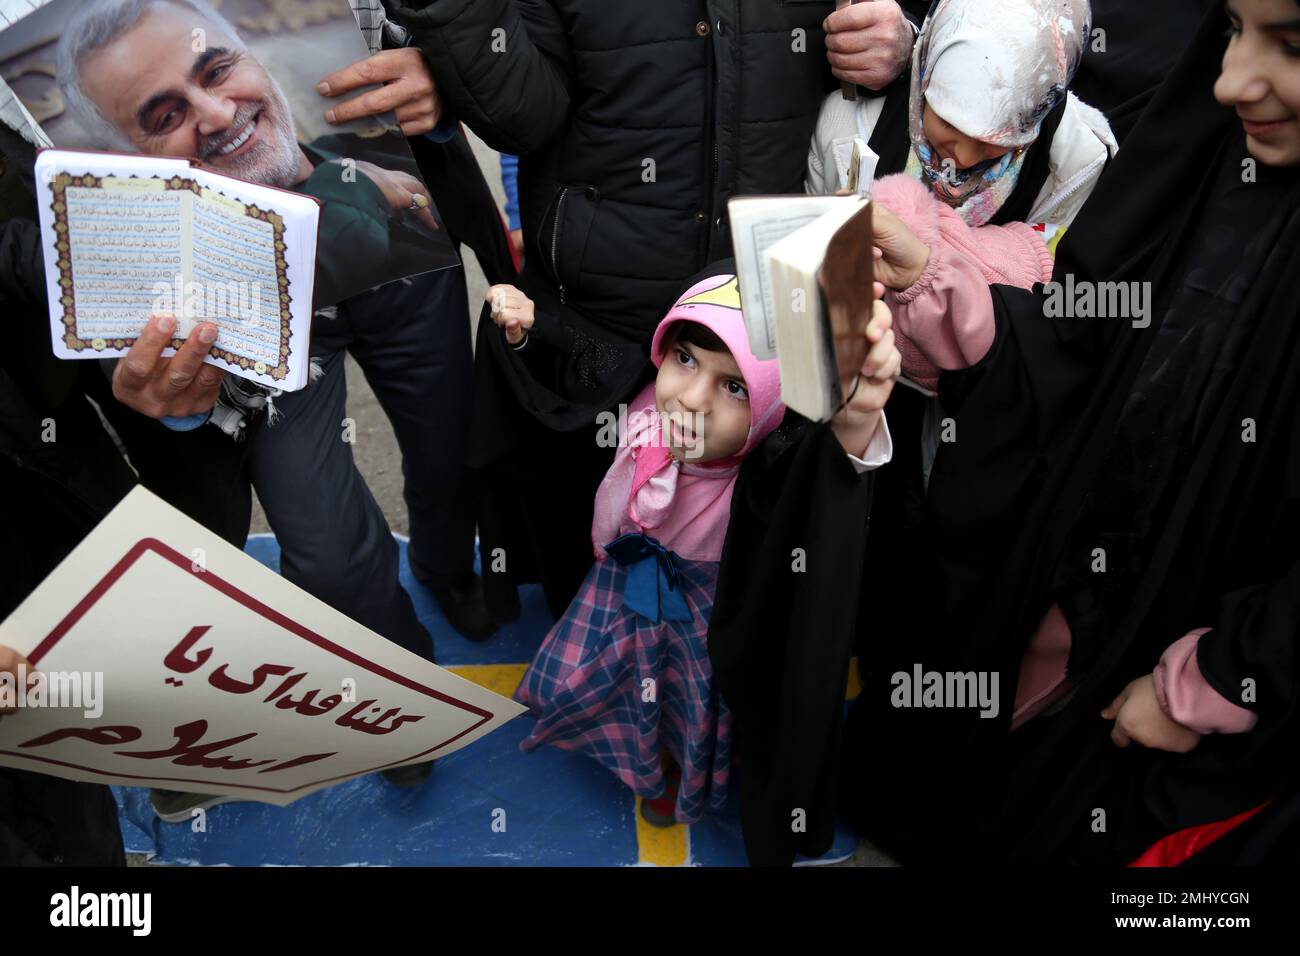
column 412, row 341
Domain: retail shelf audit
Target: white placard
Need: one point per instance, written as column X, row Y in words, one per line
column 215, row 675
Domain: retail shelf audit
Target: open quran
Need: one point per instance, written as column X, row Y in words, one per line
column 129, row 236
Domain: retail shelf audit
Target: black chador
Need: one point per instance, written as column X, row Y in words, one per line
column 1173, row 447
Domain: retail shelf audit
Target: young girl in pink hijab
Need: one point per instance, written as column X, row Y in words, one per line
column 624, row 676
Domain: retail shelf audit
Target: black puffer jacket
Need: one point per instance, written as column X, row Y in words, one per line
column 634, row 122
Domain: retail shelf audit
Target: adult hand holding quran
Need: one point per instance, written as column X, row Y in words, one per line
column 900, row 256
column 173, row 387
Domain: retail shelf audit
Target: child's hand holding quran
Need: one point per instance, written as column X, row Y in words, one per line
column 512, row 311
column 856, row 422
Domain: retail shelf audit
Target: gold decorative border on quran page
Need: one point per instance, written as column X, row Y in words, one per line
column 67, row 299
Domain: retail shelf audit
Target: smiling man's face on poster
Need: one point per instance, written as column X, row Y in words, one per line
column 174, row 83
column 233, row 84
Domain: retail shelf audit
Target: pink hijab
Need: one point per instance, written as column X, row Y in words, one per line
column 684, row 505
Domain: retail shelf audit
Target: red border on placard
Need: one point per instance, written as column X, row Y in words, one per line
column 232, row 592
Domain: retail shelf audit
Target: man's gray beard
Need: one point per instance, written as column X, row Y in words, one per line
column 274, row 160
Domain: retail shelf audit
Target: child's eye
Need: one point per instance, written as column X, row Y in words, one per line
column 736, row 390
column 685, row 358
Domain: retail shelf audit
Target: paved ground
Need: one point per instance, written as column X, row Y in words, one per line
column 376, row 451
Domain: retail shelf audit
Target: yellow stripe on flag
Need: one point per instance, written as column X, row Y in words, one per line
column 498, row 678
column 661, row 846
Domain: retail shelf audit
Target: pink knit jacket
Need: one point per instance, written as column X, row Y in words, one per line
column 945, row 319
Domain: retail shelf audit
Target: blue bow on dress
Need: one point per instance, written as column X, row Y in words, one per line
column 653, row 586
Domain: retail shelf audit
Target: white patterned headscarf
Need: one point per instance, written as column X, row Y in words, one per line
column 993, row 69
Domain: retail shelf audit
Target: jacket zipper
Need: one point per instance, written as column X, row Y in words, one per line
column 1080, row 180
column 555, row 241
column 710, row 185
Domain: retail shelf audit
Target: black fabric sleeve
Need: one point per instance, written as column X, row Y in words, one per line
column 550, row 330
column 1038, row 362
column 782, row 631
column 1254, row 640
column 1009, row 412
column 22, row 266
column 562, row 376
column 550, row 341
column 1008, row 418
column 504, row 66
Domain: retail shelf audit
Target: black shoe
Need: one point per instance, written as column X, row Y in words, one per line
column 503, row 605
column 463, row 605
column 410, row 776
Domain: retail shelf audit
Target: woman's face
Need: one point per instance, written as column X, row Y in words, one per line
column 952, row 144
column 1261, row 77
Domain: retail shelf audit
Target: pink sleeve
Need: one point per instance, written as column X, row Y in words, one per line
column 945, row 319
column 1042, row 678
column 1187, row 697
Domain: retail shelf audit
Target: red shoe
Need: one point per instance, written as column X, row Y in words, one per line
column 660, row 812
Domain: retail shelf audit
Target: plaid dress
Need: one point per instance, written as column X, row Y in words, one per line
column 620, row 688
